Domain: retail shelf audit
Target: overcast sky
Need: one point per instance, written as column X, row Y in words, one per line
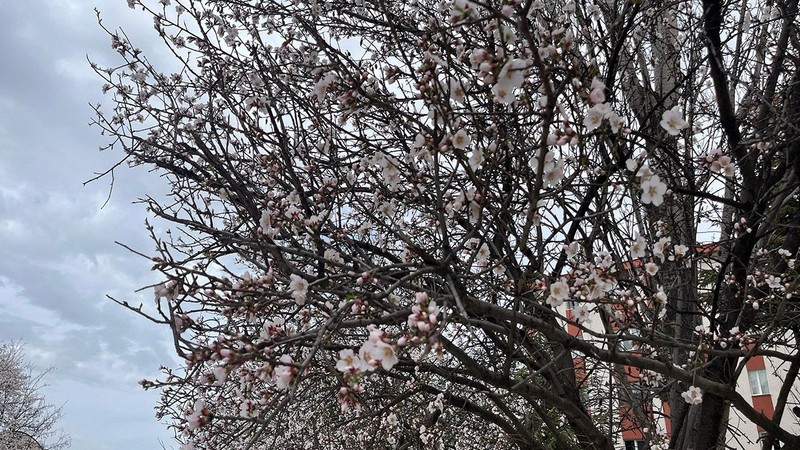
column 58, row 259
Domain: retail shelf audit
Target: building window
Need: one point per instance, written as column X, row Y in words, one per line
column 627, row 345
column 758, row 381
column 634, row 445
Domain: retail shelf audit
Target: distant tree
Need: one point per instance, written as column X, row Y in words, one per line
column 27, row 421
column 386, row 217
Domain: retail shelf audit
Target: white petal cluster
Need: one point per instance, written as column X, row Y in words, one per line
column 299, row 288
column 638, row 247
column 461, row 139
column 326, row 81
column 694, row 396
column 199, row 416
column 510, row 78
column 672, row 121
column 424, row 314
column 724, row 165
column 653, row 190
column 166, row 290
column 600, row 110
column 283, row 375
column 377, row 352
column 553, row 169
column 372, row 354
column 559, row 291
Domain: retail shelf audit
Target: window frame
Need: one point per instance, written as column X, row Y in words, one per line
column 627, row 345
column 761, row 385
column 635, row 444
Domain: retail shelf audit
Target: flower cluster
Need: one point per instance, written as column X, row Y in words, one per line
column 672, row 121
column 693, row 396
column 284, row 373
column 423, row 318
column 653, row 189
column 167, row 290
column 299, row 288
column 463, row 148
column 600, row 110
column 272, row 329
column 375, row 352
column 461, row 10
column 717, row 162
column 559, row 291
column 552, row 168
column 199, row 415
column 510, row 78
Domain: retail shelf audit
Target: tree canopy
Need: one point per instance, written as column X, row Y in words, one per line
column 27, row 420
column 467, row 224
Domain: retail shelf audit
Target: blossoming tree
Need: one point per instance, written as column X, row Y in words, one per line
column 27, row 421
column 386, row 217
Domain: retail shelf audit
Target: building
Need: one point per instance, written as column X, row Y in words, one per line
column 635, row 405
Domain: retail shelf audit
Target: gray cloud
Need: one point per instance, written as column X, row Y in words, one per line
column 58, row 259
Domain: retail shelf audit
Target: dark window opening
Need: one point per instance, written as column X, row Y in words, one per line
column 634, row 445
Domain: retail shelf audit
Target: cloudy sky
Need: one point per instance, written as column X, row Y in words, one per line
column 58, row 259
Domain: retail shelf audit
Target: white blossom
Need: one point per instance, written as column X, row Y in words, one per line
column 694, row 396
column 595, row 118
column 653, row 191
column 461, row 139
column 638, row 247
column 559, row 291
column 299, row 288
column 672, row 121
column 725, row 165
